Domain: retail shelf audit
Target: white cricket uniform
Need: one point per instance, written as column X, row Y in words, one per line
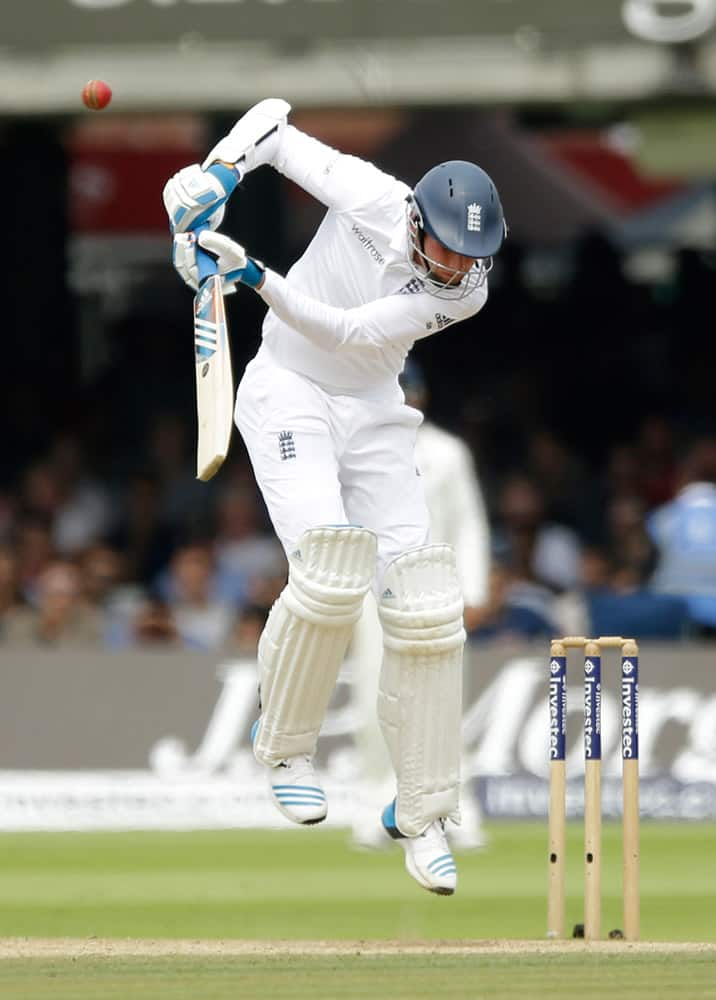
column 319, row 407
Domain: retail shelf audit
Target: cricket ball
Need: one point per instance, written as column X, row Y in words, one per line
column 96, row 94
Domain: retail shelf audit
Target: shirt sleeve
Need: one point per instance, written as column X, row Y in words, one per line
column 393, row 319
column 341, row 182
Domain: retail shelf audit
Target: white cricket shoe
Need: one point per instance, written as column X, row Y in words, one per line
column 427, row 856
column 295, row 789
column 297, row 792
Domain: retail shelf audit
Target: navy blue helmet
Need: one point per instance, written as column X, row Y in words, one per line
column 458, row 205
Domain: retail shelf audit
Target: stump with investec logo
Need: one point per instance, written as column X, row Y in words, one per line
column 556, row 913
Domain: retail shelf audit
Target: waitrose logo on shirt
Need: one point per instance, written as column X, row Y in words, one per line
column 367, row 244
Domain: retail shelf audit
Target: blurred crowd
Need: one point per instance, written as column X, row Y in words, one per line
column 626, row 550
column 159, row 559
column 584, row 392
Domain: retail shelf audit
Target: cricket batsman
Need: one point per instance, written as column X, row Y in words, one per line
column 332, row 445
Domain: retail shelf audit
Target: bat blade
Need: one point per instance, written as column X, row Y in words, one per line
column 214, row 379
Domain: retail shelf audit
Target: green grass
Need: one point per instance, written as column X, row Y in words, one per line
column 308, row 884
column 430, row 976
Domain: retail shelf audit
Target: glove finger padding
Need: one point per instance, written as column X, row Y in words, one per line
column 184, row 259
column 186, row 265
column 229, row 255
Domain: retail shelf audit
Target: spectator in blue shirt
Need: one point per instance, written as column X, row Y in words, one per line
column 684, row 532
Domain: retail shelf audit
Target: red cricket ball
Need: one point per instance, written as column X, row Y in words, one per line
column 96, row 94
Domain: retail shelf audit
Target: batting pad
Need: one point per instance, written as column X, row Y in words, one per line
column 306, row 636
column 420, row 692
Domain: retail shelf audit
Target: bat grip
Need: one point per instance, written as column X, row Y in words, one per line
column 205, row 264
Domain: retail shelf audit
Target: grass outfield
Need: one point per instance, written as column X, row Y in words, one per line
column 675, row 977
column 309, row 884
column 301, row 885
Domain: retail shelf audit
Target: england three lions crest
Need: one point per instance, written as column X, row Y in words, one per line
column 474, row 217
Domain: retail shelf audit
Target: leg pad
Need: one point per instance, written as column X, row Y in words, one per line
column 420, row 695
column 306, row 635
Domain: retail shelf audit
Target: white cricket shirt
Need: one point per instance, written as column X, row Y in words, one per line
column 350, row 308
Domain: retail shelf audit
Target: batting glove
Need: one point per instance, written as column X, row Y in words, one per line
column 232, row 262
column 194, row 197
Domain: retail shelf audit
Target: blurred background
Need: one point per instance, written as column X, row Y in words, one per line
column 584, row 390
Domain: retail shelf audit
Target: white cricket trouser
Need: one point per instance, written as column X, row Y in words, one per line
column 321, row 458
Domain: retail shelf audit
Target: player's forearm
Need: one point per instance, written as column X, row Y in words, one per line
column 304, row 160
column 326, row 326
column 378, row 324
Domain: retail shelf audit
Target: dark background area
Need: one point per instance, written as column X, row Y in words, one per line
column 589, row 358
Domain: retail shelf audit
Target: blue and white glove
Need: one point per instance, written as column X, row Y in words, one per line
column 232, row 262
column 195, row 198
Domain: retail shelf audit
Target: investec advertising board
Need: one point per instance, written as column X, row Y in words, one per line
column 161, row 741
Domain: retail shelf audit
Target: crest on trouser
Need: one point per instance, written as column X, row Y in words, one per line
column 286, row 445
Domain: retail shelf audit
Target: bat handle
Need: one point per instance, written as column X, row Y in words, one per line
column 206, row 265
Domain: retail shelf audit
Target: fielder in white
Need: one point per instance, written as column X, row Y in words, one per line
column 332, row 446
column 458, row 517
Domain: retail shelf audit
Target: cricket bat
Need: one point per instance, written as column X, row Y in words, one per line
column 214, row 379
